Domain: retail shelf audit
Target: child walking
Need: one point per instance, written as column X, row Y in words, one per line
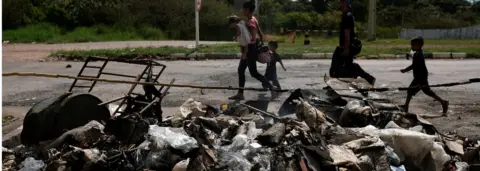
column 271, row 72
column 243, row 35
column 420, row 76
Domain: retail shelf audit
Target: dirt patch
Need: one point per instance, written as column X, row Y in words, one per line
column 23, row 51
column 16, row 113
column 463, row 114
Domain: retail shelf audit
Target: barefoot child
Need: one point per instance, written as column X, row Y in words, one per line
column 420, row 76
column 271, row 72
column 243, row 35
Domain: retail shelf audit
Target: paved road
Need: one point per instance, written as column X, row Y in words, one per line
column 25, row 91
column 38, row 51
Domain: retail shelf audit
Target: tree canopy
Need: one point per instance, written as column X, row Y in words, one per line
column 176, row 17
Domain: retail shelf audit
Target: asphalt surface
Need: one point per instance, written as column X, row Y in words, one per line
column 463, row 116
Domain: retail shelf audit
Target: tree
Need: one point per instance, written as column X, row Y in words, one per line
column 450, row 6
column 321, row 6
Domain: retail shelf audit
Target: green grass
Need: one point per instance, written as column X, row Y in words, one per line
column 7, row 118
column 384, row 46
column 82, row 54
column 47, row 33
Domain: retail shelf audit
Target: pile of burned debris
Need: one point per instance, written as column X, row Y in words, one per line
column 328, row 130
column 238, row 136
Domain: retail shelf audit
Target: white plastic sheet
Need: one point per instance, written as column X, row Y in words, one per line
column 30, row 164
column 439, row 156
column 177, row 138
column 461, row 166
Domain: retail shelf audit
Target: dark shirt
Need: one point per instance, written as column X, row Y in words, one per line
column 418, row 65
column 272, row 66
column 347, row 22
column 271, row 71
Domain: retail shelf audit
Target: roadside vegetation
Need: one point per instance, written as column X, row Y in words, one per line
column 49, row 33
column 319, row 45
column 60, row 21
column 6, row 119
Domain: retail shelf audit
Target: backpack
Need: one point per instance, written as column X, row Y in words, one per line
column 263, row 55
column 355, row 46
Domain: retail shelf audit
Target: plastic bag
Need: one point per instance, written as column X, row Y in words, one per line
column 30, row 164
column 161, row 160
column 113, row 107
column 418, row 128
column 252, row 131
column 234, row 162
column 439, row 156
column 142, row 151
column 392, row 158
column 401, row 168
column 408, row 144
column 176, row 138
column 461, row 166
column 240, row 142
column 392, row 124
column 311, row 115
column 355, row 114
column 190, row 107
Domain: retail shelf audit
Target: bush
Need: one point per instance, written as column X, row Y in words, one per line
column 32, row 33
column 392, row 32
column 151, row 33
column 50, row 33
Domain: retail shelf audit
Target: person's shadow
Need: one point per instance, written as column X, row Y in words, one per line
column 261, row 103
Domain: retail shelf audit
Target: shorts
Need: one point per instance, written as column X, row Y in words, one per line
column 417, row 85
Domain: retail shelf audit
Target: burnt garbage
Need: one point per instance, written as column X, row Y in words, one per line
column 313, row 131
column 193, row 140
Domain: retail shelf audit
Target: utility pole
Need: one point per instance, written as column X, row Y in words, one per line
column 198, row 5
column 257, row 8
column 372, row 19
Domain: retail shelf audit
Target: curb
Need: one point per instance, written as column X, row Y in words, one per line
column 306, row 56
column 434, row 55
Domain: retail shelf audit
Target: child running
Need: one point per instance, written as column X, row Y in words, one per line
column 271, row 72
column 243, row 34
column 420, row 76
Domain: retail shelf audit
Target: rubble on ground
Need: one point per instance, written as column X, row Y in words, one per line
column 322, row 131
column 233, row 140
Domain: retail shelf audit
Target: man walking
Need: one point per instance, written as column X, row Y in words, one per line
column 342, row 59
